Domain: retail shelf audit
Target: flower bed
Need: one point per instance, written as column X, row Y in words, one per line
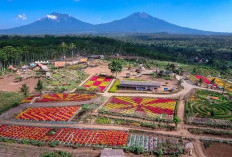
column 72, row 136
column 142, row 106
column 99, row 82
column 66, row 97
column 153, row 144
column 222, row 83
column 205, row 80
column 29, row 99
column 49, row 113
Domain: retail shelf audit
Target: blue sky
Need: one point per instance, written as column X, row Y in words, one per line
column 212, row 15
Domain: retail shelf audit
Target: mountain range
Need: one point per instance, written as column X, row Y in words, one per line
column 56, row 23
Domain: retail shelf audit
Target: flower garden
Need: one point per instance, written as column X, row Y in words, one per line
column 205, row 80
column 141, row 106
column 154, row 144
column 66, row 97
column 209, row 108
column 29, row 99
column 48, row 113
column 71, row 136
column 99, row 82
column 222, row 83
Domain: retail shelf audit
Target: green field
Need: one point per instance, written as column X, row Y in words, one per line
column 9, row 100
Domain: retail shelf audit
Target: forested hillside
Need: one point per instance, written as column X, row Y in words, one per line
column 215, row 52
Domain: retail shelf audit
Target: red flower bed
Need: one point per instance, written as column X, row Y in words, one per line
column 66, row 135
column 66, row 97
column 28, row 99
column 205, row 80
column 48, row 113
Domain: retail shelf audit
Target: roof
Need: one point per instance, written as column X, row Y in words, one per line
column 83, row 60
column 109, row 152
column 11, row 67
column 59, row 64
column 139, row 83
column 45, row 68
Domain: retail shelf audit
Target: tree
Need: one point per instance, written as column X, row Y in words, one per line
column 200, row 81
column 39, row 87
column 72, row 47
column 25, row 90
column 115, row 66
column 64, row 46
column 176, row 120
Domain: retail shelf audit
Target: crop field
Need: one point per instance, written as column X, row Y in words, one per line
column 86, row 137
column 48, row 113
column 64, row 78
column 154, row 143
column 141, row 106
column 205, row 80
column 98, row 82
column 66, row 97
column 206, row 105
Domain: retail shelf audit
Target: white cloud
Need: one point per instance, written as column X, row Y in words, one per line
column 22, row 16
column 53, row 17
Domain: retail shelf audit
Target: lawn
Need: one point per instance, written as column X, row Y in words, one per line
column 9, row 100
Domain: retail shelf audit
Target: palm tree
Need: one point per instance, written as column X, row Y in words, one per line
column 25, row 90
column 72, row 47
column 64, row 46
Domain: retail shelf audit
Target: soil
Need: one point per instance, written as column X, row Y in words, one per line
column 8, row 84
column 218, row 149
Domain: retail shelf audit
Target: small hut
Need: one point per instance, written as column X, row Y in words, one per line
column 41, row 68
column 59, row 64
column 12, row 68
column 83, row 60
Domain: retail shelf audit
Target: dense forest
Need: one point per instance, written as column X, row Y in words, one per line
column 212, row 51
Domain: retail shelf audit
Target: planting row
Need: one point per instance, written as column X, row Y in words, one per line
column 155, row 144
column 85, row 137
column 61, row 97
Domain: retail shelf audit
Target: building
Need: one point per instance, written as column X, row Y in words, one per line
column 96, row 57
column 139, row 85
column 41, row 68
column 83, row 60
column 12, row 68
column 59, row 64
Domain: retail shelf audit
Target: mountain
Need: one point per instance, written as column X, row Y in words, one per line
column 56, row 23
column 144, row 23
column 53, row 23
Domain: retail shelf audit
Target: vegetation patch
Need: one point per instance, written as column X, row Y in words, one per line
column 209, row 108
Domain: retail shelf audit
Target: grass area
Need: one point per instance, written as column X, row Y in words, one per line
column 57, row 154
column 114, row 87
column 9, row 100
